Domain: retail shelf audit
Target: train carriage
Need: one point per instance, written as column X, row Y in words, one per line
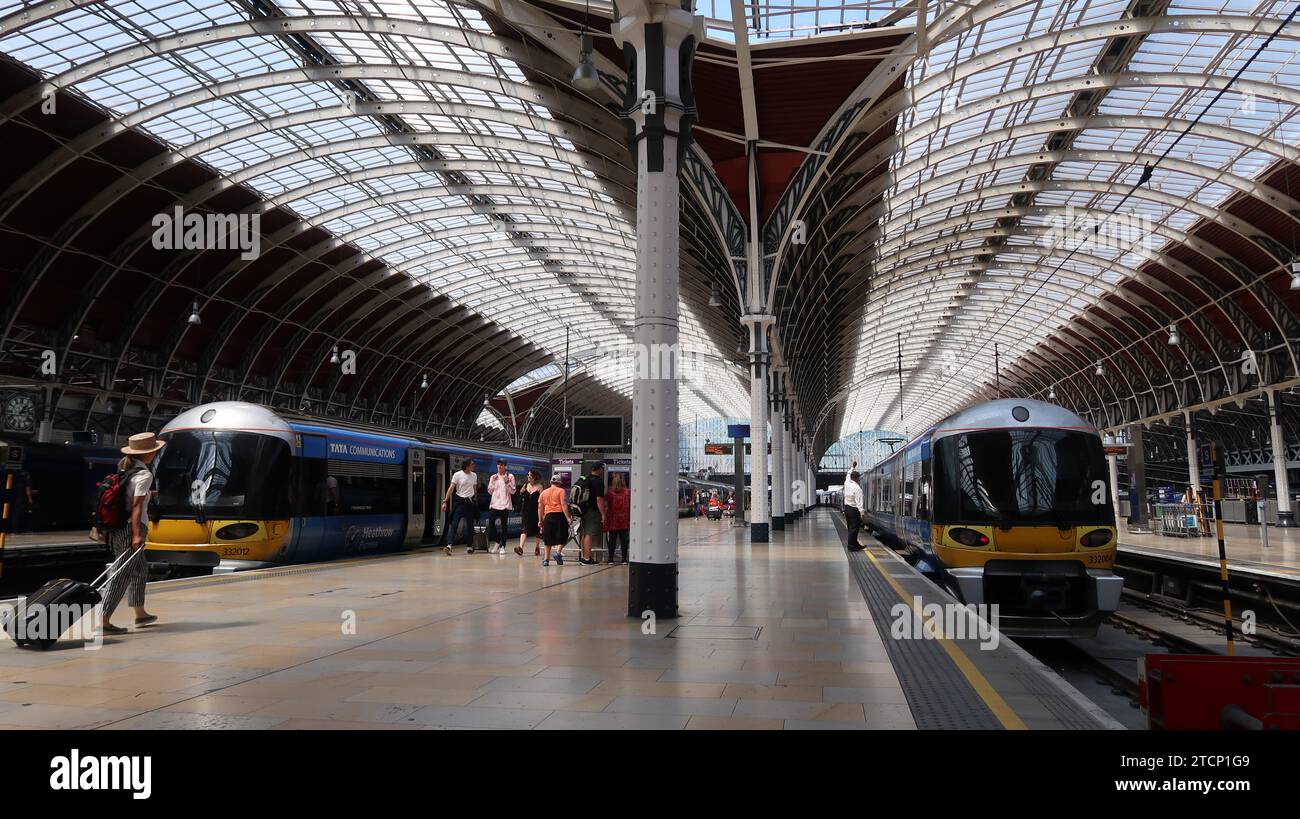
column 1007, row 503
column 243, row 486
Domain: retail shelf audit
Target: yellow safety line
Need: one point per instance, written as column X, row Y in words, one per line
column 1005, row 714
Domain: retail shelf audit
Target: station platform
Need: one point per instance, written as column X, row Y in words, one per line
column 1243, row 544
column 792, row 634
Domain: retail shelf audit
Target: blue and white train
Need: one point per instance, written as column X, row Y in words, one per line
column 244, row 486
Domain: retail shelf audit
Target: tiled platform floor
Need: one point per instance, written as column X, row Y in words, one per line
column 1242, row 544
column 485, row 641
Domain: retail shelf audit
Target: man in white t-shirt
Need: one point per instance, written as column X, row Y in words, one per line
column 501, row 486
column 463, row 493
column 853, row 507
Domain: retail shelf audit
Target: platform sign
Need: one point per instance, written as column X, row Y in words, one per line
column 568, row 466
column 1115, row 449
column 621, row 464
column 737, row 430
column 717, row 449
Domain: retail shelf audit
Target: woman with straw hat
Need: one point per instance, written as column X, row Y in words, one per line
column 140, row 452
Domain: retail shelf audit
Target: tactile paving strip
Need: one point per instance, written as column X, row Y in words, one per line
column 937, row 692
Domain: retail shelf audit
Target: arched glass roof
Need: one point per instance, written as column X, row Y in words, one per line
column 1015, row 200
column 409, row 130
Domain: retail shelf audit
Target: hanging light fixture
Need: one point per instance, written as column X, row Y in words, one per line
column 1295, row 275
column 585, row 76
column 424, row 381
column 714, row 301
column 1100, row 369
column 1174, row 340
column 195, row 321
column 1051, row 394
column 334, row 356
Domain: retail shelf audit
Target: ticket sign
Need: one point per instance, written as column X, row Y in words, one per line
column 737, row 430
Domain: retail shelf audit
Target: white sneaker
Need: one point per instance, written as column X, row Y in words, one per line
column 447, row 549
column 469, row 550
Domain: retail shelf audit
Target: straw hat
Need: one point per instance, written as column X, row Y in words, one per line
column 143, row 444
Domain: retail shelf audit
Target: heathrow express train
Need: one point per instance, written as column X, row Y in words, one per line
column 1006, row 502
column 243, row 486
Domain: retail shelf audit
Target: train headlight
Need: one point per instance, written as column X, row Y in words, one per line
column 1095, row 538
column 968, row 537
column 237, row 531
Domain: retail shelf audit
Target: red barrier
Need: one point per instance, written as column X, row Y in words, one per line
column 1195, row 692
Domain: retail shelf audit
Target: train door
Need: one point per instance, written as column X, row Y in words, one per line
column 416, row 497
column 435, row 485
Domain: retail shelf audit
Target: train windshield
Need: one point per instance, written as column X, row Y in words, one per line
column 1021, row 476
column 218, row 474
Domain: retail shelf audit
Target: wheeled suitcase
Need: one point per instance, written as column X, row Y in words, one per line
column 58, row 605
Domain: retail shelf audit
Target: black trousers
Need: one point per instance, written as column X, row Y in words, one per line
column 495, row 515
column 853, row 519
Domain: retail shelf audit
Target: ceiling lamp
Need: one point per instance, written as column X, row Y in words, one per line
column 424, row 381
column 195, row 321
column 1051, row 394
column 714, row 301
column 334, row 357
column 1173, row 335
column 585, row 77
column 1100, row 369
column 1295, row 275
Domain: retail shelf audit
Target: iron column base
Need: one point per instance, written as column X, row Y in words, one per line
column 789, row 518
column 758, row 532
column 778, row 523
column 652, row 587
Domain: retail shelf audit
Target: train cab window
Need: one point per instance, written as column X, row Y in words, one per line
column 223, row 474
column 1021, row 476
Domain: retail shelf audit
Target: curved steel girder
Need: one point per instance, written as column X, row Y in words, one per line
column 550, row 66
column 1208, row 330
column 107, row 198
column 1132, row 159
column 1217, row 24
column 1209, row 131
column 582, row 134
column 1266, row 301
column 353, row 23
column 1099, row 353
column 945, row 27
column 903, row 273
column 358, row 313
column 313, row 254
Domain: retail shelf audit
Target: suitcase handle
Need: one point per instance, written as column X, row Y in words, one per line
column 114, row 568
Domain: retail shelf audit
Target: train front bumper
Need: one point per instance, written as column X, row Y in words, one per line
column 1041, row 598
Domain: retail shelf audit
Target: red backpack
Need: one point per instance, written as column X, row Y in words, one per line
column 112, row 510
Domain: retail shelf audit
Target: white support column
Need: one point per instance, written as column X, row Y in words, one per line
column 759, row 358
column 780, row 495
column 1112, row 464
column 1286, row 517
column 788, row 472
column 659, row 105
column 1193, row 461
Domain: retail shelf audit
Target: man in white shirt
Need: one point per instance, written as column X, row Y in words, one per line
column 853, row 507
column 463, row 492
column 501, row 486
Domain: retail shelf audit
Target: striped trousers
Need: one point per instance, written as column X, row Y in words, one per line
column 130, row 581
